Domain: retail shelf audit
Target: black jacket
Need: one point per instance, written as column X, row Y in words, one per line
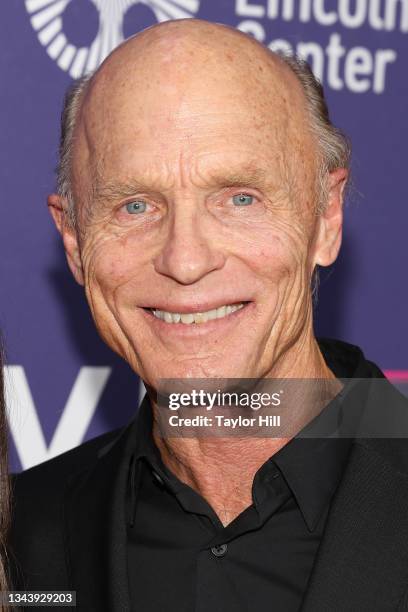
column 69, row 530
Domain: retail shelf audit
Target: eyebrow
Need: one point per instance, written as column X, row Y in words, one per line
column 244, row 177
column 118, row 190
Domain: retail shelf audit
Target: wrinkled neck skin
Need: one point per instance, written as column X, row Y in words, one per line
column 222, row 470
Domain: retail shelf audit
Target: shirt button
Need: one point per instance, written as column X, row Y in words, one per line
column 220, row 550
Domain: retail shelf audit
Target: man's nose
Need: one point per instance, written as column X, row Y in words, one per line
column 190, row 248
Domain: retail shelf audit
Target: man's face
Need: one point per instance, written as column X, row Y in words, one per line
column 198, row 228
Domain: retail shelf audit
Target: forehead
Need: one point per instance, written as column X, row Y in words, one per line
column 190, row 122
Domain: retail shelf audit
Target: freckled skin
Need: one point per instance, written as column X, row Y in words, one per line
column 174, row 109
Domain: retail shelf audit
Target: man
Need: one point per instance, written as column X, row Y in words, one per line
column 200, row 184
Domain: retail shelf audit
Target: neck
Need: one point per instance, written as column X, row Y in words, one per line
column 222, row 469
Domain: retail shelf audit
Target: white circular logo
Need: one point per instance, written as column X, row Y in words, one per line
column 79, row 34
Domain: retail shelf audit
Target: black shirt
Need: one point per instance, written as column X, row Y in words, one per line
column 180, row 556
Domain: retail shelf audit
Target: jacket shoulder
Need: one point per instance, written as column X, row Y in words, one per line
column 64, row 465
column 37, row 547
column 386, row 425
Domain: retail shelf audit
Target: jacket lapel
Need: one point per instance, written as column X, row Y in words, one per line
column 362, row 563
column 95, row 525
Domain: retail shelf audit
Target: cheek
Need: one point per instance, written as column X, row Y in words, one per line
column 277, row 253
column 109, row 266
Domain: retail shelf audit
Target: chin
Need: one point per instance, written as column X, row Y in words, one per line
column 195, row 369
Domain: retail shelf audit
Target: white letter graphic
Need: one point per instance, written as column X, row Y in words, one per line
column 74, row 422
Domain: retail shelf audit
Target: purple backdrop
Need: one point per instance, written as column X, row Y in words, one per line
column 63, row 384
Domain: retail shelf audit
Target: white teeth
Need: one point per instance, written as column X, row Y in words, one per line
column 168, row 317
column 187, row 318
column 211, row 314
column 196, row 317
column 221, row 312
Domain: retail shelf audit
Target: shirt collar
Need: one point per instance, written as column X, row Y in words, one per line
column 313, row 466
column 145, row 446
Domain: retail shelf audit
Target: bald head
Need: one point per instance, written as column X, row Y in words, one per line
column 183, row 67
column 176, row 53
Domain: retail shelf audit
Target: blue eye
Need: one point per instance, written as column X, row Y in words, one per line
column 136, row 207
column 242, row 199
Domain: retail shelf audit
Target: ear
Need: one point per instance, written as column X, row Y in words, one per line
column 58, row 209
column 330, row 221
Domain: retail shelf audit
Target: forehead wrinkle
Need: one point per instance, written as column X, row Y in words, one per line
column 200, row 173
column 138, row 181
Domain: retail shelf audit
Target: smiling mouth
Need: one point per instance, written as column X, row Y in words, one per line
column 190, row 318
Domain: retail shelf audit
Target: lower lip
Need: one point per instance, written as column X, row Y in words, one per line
column 214, row 325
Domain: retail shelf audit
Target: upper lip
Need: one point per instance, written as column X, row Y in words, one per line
column 194, row 308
